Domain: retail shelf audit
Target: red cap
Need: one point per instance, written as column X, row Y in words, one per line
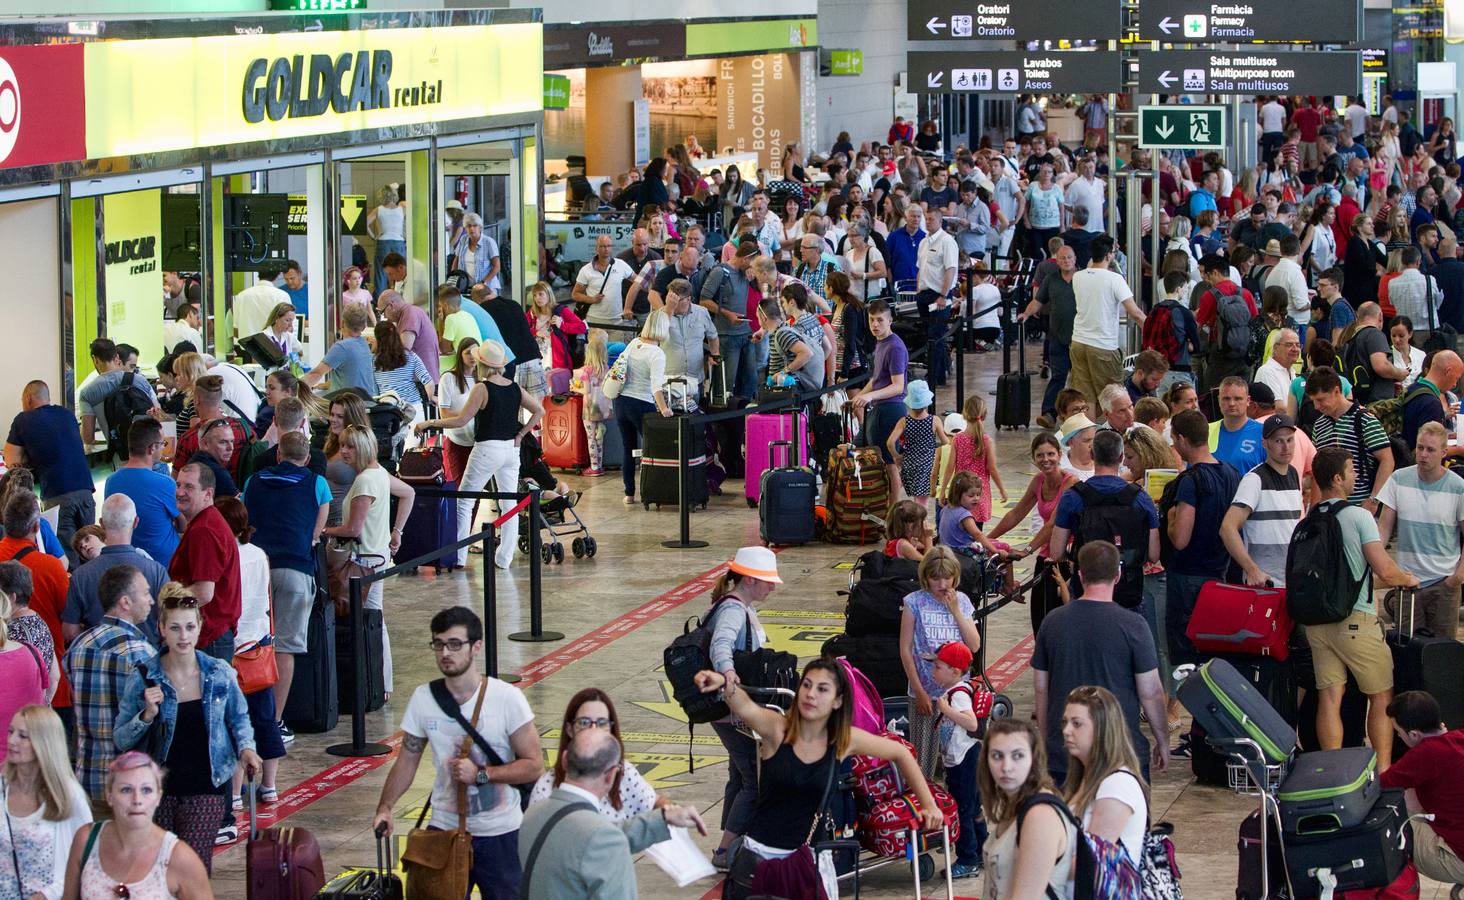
column 956, row 655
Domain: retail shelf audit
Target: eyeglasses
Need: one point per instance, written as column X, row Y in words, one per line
column 215, row 424
column 584, row 722
column 187, row 601
column 451, row 645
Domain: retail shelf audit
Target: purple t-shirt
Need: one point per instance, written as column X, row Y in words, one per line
column 415, row 319
column 890, row 358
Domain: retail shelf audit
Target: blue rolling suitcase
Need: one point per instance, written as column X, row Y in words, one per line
column 789, row 494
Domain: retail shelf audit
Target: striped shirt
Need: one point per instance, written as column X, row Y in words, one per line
column 1344, row 432
column 1429, row 516
column 404, row 379
column 1274, row 503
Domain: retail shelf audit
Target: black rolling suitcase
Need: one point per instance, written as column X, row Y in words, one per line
column 375, row 662
column 789, row 494
column 313, row 705
column 1228, row 706
column 1423, row 661
column 381, row 883
column 1014, row 389
column 1371, row 854
column 660, row 473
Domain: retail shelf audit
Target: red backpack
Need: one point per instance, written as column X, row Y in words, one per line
column 1159, row 332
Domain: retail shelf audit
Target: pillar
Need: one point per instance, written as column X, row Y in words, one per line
column 610, row 95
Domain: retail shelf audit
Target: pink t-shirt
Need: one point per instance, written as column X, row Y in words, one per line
column 414, row 319
column 25, row 679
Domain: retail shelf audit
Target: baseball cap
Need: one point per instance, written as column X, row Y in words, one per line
column 1261, row 393
column 954, row 654
column 955, row 423
column 1276, row 423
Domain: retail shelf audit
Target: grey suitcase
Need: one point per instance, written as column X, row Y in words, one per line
column 1329, row 790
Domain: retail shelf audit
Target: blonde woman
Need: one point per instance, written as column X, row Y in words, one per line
column 1105, row 788
column 366, row 519
column 130, row 852
column 24, row 676
column 345, row 410
column 280, row 329
column 493, row 406
column 387, row 225
column 44, row 804
column 643, row 390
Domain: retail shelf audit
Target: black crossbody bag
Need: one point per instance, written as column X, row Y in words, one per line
column 448, row 705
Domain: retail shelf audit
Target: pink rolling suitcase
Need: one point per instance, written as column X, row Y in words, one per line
column 763, row 429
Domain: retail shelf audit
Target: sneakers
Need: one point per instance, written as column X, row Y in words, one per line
column 287, row 734
column 964, row 870
column 1184, row 749
column 238, row 803
column 593, row 473
column 629, row 501
column 227, row 835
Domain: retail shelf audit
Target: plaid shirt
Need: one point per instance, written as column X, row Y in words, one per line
column 98, row 663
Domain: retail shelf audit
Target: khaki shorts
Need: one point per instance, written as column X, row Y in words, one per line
column 1308, row 154
column 1434, row 858
column 1354, row 645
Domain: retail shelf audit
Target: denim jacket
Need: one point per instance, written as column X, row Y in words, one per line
column 224, row 710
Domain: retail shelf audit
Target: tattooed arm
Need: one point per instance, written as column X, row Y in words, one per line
column 399, row 779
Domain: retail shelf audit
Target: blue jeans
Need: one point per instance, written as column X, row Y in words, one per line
column 1182, row 591
column 378, row 274
column 741, row 791
column 628, row 415
column 496, row 869
column 739, row 356
column 1156, row 589
column 222, row 647
column 879, row 423
column 961, row 782
column 1059, row 364
column 935, row 356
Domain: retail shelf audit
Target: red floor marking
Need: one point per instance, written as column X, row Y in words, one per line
column 1010, row 667
column 349, row 771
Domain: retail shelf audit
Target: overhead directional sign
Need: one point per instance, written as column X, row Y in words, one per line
column 1249, row 71
column 1181, row 126
column 1007, row 72
column 1295, row 21
column 1013, row 20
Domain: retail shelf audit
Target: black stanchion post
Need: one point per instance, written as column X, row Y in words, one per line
column 683, row 482
column 358, row 745
column 536, row 632
column 490, row 605
column 960, row 363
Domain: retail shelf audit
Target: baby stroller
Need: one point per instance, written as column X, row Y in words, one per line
column 557, row 516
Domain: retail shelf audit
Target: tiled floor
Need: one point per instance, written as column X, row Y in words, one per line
column 609, row 599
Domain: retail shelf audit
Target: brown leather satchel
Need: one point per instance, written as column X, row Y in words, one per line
column 438, row 863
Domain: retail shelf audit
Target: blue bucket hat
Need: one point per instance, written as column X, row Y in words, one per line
column 918, row 395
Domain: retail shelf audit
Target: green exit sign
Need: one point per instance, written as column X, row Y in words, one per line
column 317, row 5
column 1182, row 127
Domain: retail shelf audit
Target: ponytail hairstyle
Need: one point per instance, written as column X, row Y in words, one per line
column 907, row 520
column 974, row 412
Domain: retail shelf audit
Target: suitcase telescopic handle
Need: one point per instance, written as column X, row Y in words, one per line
column 773, row 453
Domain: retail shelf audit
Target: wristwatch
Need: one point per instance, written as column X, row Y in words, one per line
column 482, row 778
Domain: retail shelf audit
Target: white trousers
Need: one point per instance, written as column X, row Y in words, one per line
column 498, row 460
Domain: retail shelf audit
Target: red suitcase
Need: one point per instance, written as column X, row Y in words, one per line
column 565, row 446
column 762, row 430
column 884, row 830
column 876, row 779
column 281, row 863
column 1235, row 618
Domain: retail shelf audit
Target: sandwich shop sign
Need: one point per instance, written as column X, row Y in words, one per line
column 236, row 88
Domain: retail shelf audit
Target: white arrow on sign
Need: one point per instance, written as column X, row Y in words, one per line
column 934, row 25
column 933, row 79
column 1167, row 25
column 1165, row 78
column 1164, row 129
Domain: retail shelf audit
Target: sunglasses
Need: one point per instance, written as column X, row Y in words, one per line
column 215, row 424
column 187, row 601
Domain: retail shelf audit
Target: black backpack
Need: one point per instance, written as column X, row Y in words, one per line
column 1320, row 588
column 1168, row 498
column 877, row 599
column 120, row 407
column 1118, row 519
column 1357, row 367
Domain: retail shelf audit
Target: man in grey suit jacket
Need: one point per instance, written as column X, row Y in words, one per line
column 569, row 850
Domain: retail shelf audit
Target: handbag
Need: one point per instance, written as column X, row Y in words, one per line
column 438, row 863
column 341, row 564
column 749, row 872
column 255, row 662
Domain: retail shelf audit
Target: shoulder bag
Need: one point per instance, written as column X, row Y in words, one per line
column 448, row 705
column 255, row 662
column 341, row 563
column 748, row 869
column 438, row 863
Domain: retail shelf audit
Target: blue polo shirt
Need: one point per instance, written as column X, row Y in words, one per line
column 51, row 438
column 904, row 255
column 154, row 495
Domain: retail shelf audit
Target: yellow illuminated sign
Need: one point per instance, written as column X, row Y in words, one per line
column 182, row 93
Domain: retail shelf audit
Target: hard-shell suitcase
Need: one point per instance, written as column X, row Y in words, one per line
column 313, row 705
column 612, row 451
column 431, row 525
column 1014, row 389
column 381, row 883
column 763, row 429
column 1228, row 706
column 1329, row 790
column 660, row 473
column 280, row 863
column 1237, row 618
column 565, row 446
column 375, row 662
column 789, row 495
column 1371, row 854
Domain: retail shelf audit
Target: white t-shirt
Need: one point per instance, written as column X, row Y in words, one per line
column 605, row 283
column 1273, row 116
column 985, row 303
column 1287, row 274
column 636, row 795
column 253, row 305
column 239, row 390
column 1099, row 294
column 937, row 253
column 1088, row 194
column 1124, row 788
column 449, row 397
column 493, row 809
column 955, row 741
column 1357, row 120
column 254, row 595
